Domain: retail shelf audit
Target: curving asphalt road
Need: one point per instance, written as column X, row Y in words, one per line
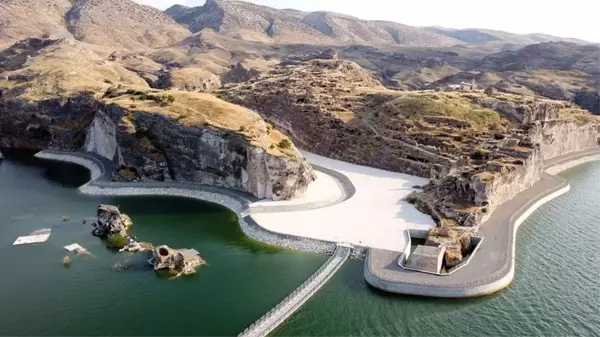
column 492, row 268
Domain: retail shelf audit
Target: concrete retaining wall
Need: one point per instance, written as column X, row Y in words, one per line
column 560, row 167
column 469, row 290
column 236, row 202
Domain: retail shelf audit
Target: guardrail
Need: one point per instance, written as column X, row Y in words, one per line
column 282, row 311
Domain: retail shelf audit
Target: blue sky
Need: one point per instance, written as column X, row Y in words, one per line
column 573, row 18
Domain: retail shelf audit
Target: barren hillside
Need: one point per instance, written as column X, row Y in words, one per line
column 252, row 22
column 115, row 23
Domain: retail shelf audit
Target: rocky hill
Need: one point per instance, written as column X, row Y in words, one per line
column 479, row 149
column 336, row 108
column 481, row 36
column 115, row 23
column 253, row 22
column 61, row 94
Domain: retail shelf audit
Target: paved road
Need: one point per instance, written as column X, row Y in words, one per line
column 495, row 257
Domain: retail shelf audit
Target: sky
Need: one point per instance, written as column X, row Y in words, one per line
column 573, row 18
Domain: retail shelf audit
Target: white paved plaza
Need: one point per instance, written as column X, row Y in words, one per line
column 375, row 216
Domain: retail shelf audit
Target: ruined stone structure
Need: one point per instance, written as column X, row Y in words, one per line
column 178, row 261
column 427, row 258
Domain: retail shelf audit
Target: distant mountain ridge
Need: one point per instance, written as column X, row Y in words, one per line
column 248, row 21
column 115, row 23
column 253, row 22
column 479, row 35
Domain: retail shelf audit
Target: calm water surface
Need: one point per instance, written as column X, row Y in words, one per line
column 39, row 296
column 556, row 290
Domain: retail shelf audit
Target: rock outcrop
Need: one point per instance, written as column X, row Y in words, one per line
column 149, row 134
column 111, row 222
column 321, row 103
column 460, row 202
column 137, row 247
column 189, row 79
column 146, row 145
column 177, row 261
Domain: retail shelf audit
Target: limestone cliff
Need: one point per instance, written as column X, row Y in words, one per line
column 560, row 137
column 467, row 197
column 147, row 145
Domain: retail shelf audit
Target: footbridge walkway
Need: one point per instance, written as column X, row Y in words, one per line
column 271, row 320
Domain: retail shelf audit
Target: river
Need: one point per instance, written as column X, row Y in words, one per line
column 555, row 291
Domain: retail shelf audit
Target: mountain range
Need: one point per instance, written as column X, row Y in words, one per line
column 205, row 47
column 125, row 24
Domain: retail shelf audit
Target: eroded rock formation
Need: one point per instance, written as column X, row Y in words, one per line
column 177, row 261
column 111, row 222
column 61, row 95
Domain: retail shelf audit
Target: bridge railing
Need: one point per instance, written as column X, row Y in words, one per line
column 272, row 319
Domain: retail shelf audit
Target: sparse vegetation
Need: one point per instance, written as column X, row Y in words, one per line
column 446, row 104
column 116, row 241
column 479, row 153
column 285, row 144
column 127, row 174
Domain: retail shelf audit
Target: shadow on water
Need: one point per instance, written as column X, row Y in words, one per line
column 63, row 174
column 218, row 222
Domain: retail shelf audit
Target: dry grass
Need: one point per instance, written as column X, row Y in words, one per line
column 192, row 109
column 578, row 116
column 66, row 68
column 453, row 105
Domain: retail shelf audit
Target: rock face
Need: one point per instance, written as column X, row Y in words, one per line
column 137, row 247
column 111, row 222
column 151, row 146
column 240, row 73
column 317, row 102
column 481, row 189
column 165, row 150
column 178, row 261
column 189, row 79
column 559, row 137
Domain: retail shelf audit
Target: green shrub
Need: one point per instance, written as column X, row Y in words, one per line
column 141, row 132
column 285, row 144
column 116, row 241
column 242, row 128
column 479, row 153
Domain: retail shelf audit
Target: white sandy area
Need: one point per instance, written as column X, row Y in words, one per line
column 376, row 216
column 324, row 189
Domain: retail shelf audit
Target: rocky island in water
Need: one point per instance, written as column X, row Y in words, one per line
column 112, row 226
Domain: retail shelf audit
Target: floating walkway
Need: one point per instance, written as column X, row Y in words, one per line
column 271, row 320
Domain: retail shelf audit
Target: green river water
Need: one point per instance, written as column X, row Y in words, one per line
column 556, row 290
